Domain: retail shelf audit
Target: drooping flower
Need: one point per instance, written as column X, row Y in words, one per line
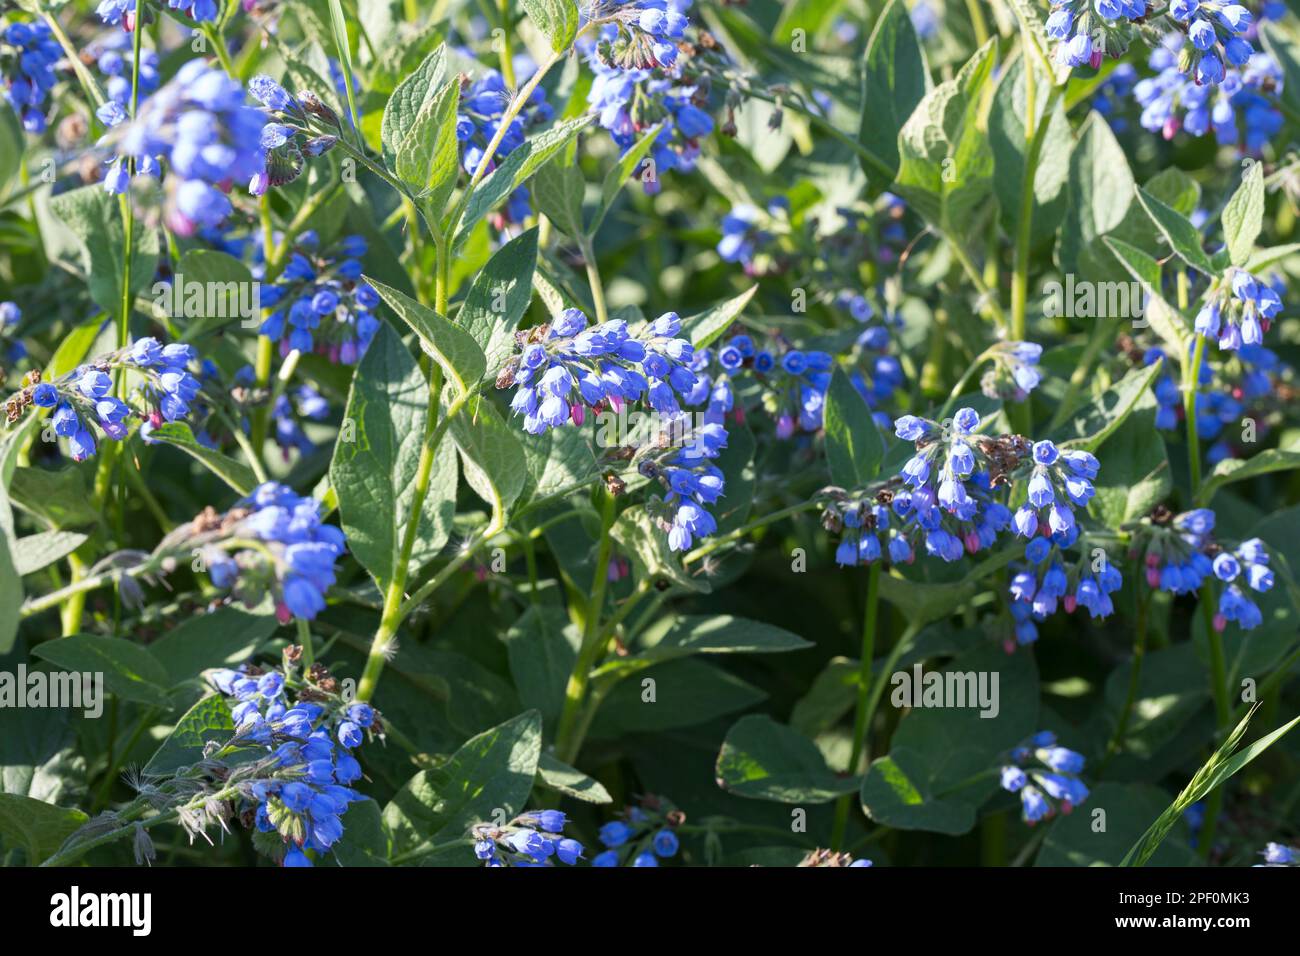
column 1045, row 776
column 28, row 56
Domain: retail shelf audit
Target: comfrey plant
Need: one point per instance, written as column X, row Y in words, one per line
column 489, row 469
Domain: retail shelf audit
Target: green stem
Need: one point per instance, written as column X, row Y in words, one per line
column 593, row 279
column 594, row 639
column 1134, row 681
column 861, row 746
column 714, row 544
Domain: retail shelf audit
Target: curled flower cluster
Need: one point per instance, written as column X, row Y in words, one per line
column 1240, row 312
column 321, row 302
column 952, row 477
column 639, row 83
column 28, row 55
column 1089, row 29
column 790, row 386
column 1046, row 777
column 1215, row 33
column 1060, row 481
column 200, row 128
column 1180, row 553
column 272, row 541
column 297, row 802
column 110, row 57
column 1238, row 111
column 689, row 480
column 1035, row 595
column 533, row 838
column 1015, row 372
column 287, row 142
column 565, row 368
column 81, row 399
column 482, row 107
column 642, row 836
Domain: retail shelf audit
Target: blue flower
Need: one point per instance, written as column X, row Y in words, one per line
column 28, row 55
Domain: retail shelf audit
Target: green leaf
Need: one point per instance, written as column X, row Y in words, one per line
column 620, row 175
column 562, row 778
column 60, row 497
column 542, row 646
column 1134, row 475
column 449, row 345
column 1239, row 469
column 428, row 155
column 489, row 776
column 1008, row 142
column 130, row 671
column 39, row 756
column 95, row 220
column 646, row 545
column 37, row 551
column 11, row 582
column 1073, row 840
column 516, row 169
column 1159, row 314
column 412, row 98
column 1182, row 236
column 764, row 760
column 499, row 298
column 936, row 774
column 223, row 278
column 558, row 189
column 1108, row 411
column 36, row 828
column 894, row 81
column 208, row 721
column 377, row 457
column 1243, row 216
column 854, row 446
column 704, row 327
column 706, row 634
column 1100, row 189
column 557, row 19
column 945, row 163
column 682, row 693
column 234, row 473
column 221, row 638
column 491, row 456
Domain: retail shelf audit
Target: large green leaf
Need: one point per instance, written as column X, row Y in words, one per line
column 95, row 220
column 1243, row 216
column 542, row 647
column 557, row 19
column 208, row 721
column 37, row 828
column 854, row 445
column 768, row 761
column 377, row 457
column 499, row 298
column 451, row 346
column 234, row 473
column 221, row 638
column 894, row 81
column 129, row 670
column 492, row 458
column 488, row 778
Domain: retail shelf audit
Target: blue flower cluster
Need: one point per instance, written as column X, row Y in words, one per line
column 1180, row 554
column 1238, row 111
column 1241, row 316
column 1046, row 777
column 1015, row 372
column 1035, row 595
column 112, row 58
column 295, row 559
column 321, row 302
column 82, row 398
column 565, row 368
column 952, row 477
column 1215, row 34
column 482, row 108
column 200, row 127
column 688, row 478
column 1088, row 29
column 303, row 794
column 28, row 55
column 643, row 836
column 534, row 838
column 285, row 142
column 10, row 316
column 1060, row 481
column 114, row 12
column 639, row 82
column 790, row 386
